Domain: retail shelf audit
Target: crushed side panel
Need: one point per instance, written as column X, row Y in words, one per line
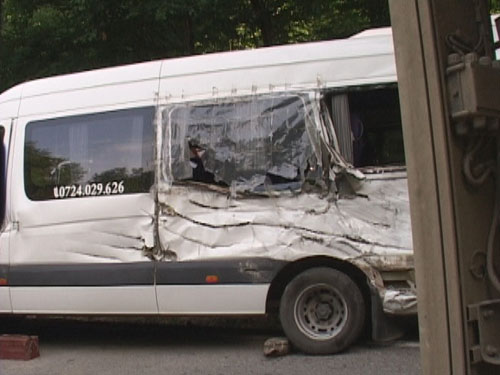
column 268, row 188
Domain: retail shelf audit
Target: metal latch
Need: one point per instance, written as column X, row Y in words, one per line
column 485, row 319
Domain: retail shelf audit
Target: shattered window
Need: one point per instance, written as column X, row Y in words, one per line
column 367, row 122
column 251, row 144
column 91, row 155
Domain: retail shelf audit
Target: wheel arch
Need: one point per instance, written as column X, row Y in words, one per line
column 287, row 273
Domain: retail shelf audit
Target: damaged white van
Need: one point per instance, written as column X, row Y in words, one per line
column 252, row 182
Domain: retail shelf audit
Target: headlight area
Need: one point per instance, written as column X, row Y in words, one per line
column 399, row 295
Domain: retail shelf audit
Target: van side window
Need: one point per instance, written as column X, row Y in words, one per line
column 251, row 144
column 91, row 155
column 368, row 126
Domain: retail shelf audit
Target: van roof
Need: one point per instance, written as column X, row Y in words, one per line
column 363, row 59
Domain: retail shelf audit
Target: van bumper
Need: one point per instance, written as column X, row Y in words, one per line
column 384, row 313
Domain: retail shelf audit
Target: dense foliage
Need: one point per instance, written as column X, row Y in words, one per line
column 46, row 37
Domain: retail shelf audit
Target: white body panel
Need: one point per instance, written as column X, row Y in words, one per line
column 9, row 103
column 102, row 229
column 84, row 300
column 5, row 301
column 212, row 299
column 105, row 229
column 5, row 305
column 93, row 229
column 94, row 91
column 338, row 63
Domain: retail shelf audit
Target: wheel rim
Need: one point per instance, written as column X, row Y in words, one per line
column 320, row 312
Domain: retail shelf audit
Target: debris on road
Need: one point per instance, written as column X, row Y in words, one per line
column 276, row 346
column 20, row 347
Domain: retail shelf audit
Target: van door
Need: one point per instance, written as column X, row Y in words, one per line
column 5, row 305
column 83, row 214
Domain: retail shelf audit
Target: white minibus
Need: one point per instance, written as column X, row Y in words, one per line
column 266, row 181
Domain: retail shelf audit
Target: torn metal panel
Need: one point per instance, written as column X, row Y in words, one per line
column 400, row 301
column 244, row 143
column 198, row 224
column 289, row 226
column 272, row 168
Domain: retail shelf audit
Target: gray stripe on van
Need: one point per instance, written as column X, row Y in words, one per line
column 227, row 271
column 101, row 274
column 4, row 271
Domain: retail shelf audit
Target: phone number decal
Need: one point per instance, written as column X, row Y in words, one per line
column 93, row 189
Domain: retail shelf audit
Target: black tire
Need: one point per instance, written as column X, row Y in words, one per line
column 322, row 311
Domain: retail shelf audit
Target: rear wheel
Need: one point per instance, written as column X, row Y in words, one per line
column 322, row 311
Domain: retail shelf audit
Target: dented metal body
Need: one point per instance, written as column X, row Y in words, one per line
column 243, row 171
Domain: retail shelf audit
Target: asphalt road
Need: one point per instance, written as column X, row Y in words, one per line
column 82, row 347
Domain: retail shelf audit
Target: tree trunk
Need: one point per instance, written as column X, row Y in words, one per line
column 378, row 12
column 188, row 35
column 264, row 21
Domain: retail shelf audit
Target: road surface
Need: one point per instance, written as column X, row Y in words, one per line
column 83, row 347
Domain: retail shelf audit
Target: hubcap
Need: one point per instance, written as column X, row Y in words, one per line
column 323, row 311
column 320, row 312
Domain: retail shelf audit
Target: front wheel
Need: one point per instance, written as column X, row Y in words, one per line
column 322, row 311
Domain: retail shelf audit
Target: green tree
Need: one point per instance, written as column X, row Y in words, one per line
column 43, row 172
column 495, row 6
column 45, row 37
